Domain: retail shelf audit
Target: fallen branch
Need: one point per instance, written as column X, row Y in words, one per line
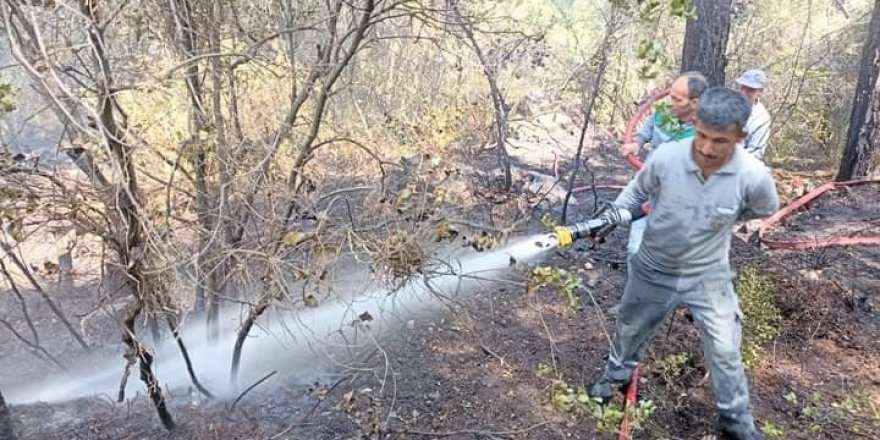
column 33, row 345
column 21, row 302
column 175, row 330
column 248, row 389
column 52, row 306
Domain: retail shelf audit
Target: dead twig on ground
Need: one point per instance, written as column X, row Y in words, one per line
column 459, row 310
column 248, row 389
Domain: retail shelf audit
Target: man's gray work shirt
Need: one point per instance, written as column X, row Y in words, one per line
column 691, row 222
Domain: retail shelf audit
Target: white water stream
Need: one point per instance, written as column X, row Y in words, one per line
column 303, row 345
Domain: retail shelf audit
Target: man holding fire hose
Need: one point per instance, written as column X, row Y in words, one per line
column 698, row 187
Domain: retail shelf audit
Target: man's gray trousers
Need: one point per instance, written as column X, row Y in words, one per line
column 651, row 296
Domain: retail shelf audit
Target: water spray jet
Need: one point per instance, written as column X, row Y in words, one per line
column 307, row 344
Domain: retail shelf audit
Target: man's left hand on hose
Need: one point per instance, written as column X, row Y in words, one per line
column 628, row 148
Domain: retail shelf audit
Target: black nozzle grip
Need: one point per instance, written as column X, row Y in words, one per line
column 640, row 212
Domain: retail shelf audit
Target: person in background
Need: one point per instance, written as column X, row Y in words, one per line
column 672, row 121
column 751, row 84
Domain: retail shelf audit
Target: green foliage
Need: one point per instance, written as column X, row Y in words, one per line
column 858, row 403
column 607, row 417
column 667, row 121
column 545, row 371
column 549, row 221
column 649, row 12
column 565, row 282
column 683, row 9
column 772, row 430
column 672, row 366
column 7, row 98
column 809, row 414
column 650, row 55
column 813, row 414
column 762, row 316
column 567, row 398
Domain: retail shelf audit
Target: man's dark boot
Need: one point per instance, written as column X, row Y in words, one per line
column 733, row 429
column 605, row 388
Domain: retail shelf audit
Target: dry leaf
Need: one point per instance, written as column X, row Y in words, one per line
column 16, row 230
column 404, row 195
column 294, row 238
column 325, row 253
column 310, row 301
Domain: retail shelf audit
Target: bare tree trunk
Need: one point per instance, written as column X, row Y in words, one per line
column 193, row 23
column 6, row 432
column 342, row 54
column 137, row 350
column 186, row 35
column 863, row 134
column 129, row 228
column 490, row 71
column 705, row 40
column 224, row 188
column 601, row 62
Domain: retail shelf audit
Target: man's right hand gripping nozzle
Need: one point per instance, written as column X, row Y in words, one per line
column 596, row 228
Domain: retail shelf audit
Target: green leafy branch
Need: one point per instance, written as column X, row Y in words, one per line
column 667, row 121
column 649, row 12
column 564, row 282
column 607, row 417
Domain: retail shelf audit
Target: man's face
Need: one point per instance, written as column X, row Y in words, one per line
column 751, row 94
column 713, row 147
column 680, row 103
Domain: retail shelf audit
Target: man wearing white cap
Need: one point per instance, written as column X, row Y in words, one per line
column 751, row 84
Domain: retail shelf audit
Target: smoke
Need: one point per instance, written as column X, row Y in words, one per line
column 302, row 345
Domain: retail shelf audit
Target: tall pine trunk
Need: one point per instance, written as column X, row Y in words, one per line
column 863, row 134
column 705, row 40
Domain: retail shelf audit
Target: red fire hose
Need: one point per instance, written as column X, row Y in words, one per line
column 629, row 401
column 637, row 117
column 817, row 242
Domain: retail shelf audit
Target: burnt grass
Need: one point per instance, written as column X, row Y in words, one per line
column 473, row 371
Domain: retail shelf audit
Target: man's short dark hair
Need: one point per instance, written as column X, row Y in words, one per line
column 697, row 83
column 721, row 107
